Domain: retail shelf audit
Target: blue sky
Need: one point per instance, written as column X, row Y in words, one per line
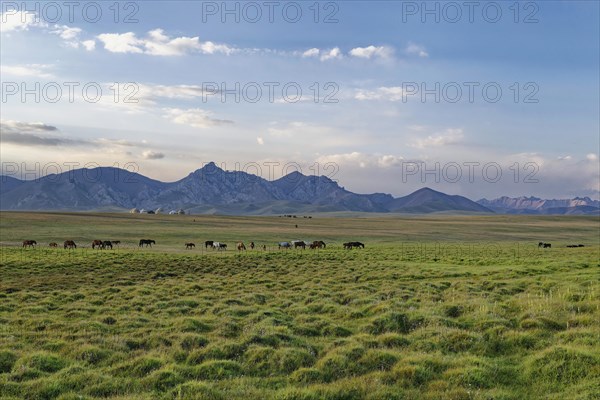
column 374, row 61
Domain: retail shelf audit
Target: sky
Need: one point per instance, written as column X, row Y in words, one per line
column 481, row 99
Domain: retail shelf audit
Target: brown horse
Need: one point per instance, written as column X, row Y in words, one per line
column 264, row 247
column 29, row 243
column 189, row 246
column 97, row 243
column 54, row 245
column 317, row 244
column 241, row 246
column 69, row 244
column 251, row 245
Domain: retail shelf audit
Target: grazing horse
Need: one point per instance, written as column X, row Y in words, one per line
column 547, row 245
column 208, row 243
column 29, row 243
column 116, row 242
column 540, row 244
column 317, row 244
column 53, row 245
column 189, row 246
column 69, row 244
column 97, row 243
column 107, row 243
column 241, row 246
column 299, row 243
column 220, row 246
column 264, row 247
column 285, row 245
column 351, row 245
column 251, row 245
column 146, row 242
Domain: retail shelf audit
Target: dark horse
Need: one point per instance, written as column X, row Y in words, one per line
column 69, row 244
column 29, row 243
column 351, row 245
column 318, row 244
column 300, row 243
column 208, row 243
column 107, row 243
column 146, row 242
column 189, row 245
column 544, row 245
column 97, row 243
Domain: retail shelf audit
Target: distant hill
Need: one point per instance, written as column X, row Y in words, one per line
column 428, row 200
column 535, row 206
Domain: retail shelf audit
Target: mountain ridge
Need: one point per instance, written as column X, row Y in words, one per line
column 213, row 190
column 536, row 205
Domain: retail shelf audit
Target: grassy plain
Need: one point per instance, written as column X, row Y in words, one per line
column 435, row 307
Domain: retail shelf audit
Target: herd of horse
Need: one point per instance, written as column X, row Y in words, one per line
column 108, row 244
column 241, row 246
column 303, row 244
column 70, row 244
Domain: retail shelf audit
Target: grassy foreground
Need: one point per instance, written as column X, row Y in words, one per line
column 432, row 308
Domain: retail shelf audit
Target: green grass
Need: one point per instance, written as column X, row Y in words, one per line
column 433, row 308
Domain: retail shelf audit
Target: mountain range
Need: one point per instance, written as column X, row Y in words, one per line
column 212, row 190
column 535, row 205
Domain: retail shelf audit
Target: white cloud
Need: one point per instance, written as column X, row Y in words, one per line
column 66, row 32
column 196, row 118
column 152, row 155
column 565, row 158
column 260, row 141
column 314, row 52
column 35, row 70
column 393, row 93
column 362, row 160
column 212, row 48
column 371, row 52
column 70, row 35
column 121, row 42
column 415, row 49
column 592, row 157
column 448, row 137
column 185, row 92
column 20, row 21
column 389, row 161
column 332, row 54
column 158, row 44
column 23, row 20
column 89, row 45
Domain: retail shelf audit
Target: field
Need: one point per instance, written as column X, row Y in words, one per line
column 444, row 307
